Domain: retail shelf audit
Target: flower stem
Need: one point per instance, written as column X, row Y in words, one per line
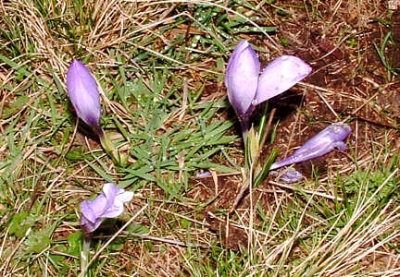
column 244, row 123
column 110, row 148
column 253, row 147
column 85, row 253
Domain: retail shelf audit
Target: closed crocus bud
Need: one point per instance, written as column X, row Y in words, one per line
column 280, row 75
column 108, row 204
column 241, row 78
column 84, row 94
column 322, row 143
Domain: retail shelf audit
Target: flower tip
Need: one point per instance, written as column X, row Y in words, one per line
column 339, row 131
column 300, row 66
column 76, row 63
column 243, row 44
column 76, row 68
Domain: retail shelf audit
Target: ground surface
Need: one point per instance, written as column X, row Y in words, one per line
column 349, row 83
column 161, row 66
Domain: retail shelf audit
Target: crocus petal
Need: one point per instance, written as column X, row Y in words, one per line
column 241, row 77
column 280, row 75
column 108, row 204
column 93, row 209
column 90, row 220
column 325, row 141
column 291, row 176
column 84, row 94
column 333, row 134
column 116, row 198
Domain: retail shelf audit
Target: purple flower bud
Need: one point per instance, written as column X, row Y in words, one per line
column 84, row 94
column 322, row 143
column 109, row 204
column 242, row 77
column 280, row 75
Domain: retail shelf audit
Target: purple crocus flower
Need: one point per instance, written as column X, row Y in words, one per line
column 246, row 88
column 84, row 94
column 325, row 141
column 109, row 204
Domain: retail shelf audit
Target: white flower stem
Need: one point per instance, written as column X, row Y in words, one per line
column 85, row 253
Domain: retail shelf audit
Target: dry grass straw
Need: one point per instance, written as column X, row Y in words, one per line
column 355, row 248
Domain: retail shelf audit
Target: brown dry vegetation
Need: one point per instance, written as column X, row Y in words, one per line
column 349, row 83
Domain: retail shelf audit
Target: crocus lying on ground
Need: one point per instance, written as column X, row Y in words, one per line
column 84, row 94
column 325, row 141
column 247, row 88
column 108, row 204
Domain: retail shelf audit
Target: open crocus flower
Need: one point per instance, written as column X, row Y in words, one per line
column 247, row 88
column 324, row 142
column 108, row 204
column 84, row 94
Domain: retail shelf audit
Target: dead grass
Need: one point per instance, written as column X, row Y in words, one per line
column 316, row 228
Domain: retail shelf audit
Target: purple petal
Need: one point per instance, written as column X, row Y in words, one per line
column 241, row 77
column 89, row 226
column 333, row 135
column 116, row 197
column 280, row 75
column 291, row 176
column 84, row 94
column 93, row 209
column 108, row 204
column 89, row 221
column 325, row 141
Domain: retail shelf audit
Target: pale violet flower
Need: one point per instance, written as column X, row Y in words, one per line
column 324, row 142
column 247, row 88
column 109, row 204
column 85, row 97
column 84, row 94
